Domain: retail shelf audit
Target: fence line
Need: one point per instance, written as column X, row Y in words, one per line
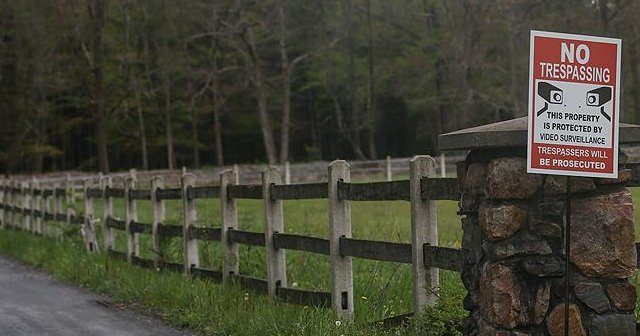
column 422, row 190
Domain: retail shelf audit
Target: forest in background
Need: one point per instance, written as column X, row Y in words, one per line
column 114, row 84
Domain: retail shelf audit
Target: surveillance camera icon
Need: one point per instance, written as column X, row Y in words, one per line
column 551, row 95
column 598, row 97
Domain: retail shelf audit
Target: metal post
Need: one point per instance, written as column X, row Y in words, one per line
column 340, row 226
column 229, row 214
column 567, row 257
column 424, row 231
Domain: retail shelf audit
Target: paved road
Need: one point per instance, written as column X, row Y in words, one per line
column 32, row 303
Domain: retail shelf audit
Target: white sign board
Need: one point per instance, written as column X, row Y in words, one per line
column 574, row 103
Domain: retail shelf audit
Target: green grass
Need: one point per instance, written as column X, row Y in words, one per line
column 381, row 289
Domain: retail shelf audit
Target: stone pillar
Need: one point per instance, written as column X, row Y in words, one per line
column 513, row 227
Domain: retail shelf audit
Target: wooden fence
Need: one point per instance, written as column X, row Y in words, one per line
column 29, row 206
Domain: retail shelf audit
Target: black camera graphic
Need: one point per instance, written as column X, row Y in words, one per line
column 598, row 97
column 551, row 95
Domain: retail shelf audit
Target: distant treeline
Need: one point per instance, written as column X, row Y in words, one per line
column 113, row 84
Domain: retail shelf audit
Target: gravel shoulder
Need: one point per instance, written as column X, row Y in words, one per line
column 33, row 303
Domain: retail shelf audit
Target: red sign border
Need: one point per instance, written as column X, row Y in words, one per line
column 616, row 102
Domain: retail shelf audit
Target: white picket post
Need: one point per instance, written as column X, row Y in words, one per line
column 69, row 199
column 424, row 231
column 10, row 202
column 24, row 192
column 443, row 165
column 56, row 199
column 36, row 196
column 189, row 217
column 106, row 183
column 3, row 202
column 340, row 226
column 274, row 223
column 47, row 208
column 28, row 206
column 131, row 215
column 287, row 173
column 157, row 183
column 236, row 169
column 388, row 169
column 88, row 228
column 229, row 214
column 14, row 203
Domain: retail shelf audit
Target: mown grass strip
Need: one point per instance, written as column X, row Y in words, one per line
column 194, row 303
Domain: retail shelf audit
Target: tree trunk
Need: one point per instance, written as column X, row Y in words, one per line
column 171, row 161
column 371, row 99
column 143, row 139
column 215, row 97
column 258, row 83
column 98, row 94
column 194, row 131
column 286, row 86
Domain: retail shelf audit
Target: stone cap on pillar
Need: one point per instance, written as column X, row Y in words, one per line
column 510, row 133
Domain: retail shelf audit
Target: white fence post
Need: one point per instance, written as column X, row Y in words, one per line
column 424, row 230
column 69, row 199
column 10, row 202
column 106, row 183
column 57, row 201
column 274, row 223
column 14, row 203
column 340, row 226
column 131, row 215
column 29, row 217
column 229, row 214
column 189, row 217
column 388, row 169
column 47, row 209
column 24, row 192
column 287, row 173
column 3, row 203
column 88, row 228
column 443, row 165
column 157, row 183
column 36, row 196
column 57, row 207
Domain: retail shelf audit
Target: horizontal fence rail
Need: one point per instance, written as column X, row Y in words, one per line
column 203, row 192
column 246, row 237
column 376, row 250
column 301, row 243
column 376, row 191
column 300, row 191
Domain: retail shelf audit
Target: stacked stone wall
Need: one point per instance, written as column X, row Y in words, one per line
column 513, row 226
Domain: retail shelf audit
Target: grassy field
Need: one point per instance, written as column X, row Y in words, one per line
column 381, row 289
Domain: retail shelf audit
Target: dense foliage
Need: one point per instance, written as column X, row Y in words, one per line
column 114, row 84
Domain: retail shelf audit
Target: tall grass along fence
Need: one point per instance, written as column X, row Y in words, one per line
column 28, row 205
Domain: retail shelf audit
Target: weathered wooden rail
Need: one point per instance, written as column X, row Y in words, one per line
column 27, row 206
